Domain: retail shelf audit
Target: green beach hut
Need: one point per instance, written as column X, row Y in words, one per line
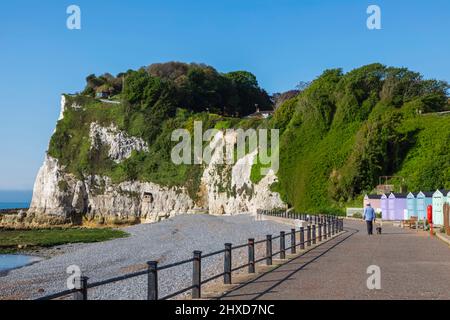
column 439, row 198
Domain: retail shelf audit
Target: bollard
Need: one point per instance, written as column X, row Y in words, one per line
column 320, row 231
column 251, row 255
column 152, row 280
column 81, row 293
column 282, row 245
column 227, row 264
column 302, row 238
column 308, row 233
column 313, row 234
column 197, row 275
column 293, row 242
column 269, row 250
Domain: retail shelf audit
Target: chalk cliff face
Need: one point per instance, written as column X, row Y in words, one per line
column 59, row 197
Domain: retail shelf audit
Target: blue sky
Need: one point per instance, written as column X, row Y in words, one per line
column 282, row 42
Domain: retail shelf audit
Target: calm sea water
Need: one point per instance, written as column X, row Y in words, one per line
column 14, row 205
column 12, row 261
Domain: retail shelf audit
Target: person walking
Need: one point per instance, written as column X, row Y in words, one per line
column 369, row 217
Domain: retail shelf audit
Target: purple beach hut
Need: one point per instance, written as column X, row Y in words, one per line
column 397, row 205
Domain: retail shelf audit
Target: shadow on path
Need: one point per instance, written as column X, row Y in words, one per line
column 315, row 253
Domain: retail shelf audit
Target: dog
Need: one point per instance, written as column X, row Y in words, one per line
column 378, row 230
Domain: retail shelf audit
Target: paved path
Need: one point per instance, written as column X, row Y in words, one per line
column 413, row 266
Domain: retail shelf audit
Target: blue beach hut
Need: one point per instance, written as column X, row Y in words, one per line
column 411, row 205
column 423, row 200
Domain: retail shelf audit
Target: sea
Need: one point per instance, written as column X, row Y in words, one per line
column 14, row 205
column 15, row 199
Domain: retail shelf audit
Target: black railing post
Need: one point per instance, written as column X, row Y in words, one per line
column 332, row 227
column 197, row 275
column 325, row 236
column 227, row 264
column 308, row 232
column 152, row 280
column 282, row 245
column 302, row 238
column 293, row 242
column 320, row 232
column 251, row 255
column 82, row 287
column 313, row 234
column 269, row 250
column 329, row 229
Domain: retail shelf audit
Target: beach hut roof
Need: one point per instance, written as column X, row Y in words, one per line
column 398, row 195
column 373, row 196
column 414, row 194
column 427, row 194
column 442, row 191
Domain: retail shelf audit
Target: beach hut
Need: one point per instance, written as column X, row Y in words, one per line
column 411, row 204
column 384, row 207
column 374, row 200
column 439, row 198
column 423, row 200
column 397, row 206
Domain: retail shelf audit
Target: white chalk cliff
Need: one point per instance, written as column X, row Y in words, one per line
column 61, row 197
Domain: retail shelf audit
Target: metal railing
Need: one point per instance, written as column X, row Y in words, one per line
column 319, row 229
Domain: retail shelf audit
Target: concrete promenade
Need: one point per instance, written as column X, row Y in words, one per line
column 413, row 266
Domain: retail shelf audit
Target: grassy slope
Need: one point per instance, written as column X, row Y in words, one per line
column 341, row 137
column 427, row 164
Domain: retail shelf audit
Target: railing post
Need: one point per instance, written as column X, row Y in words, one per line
column 302, row 238
column 293, row 242
column 332, row 227
column 329, row 229
column 325, row 230
column 251, row 255
column 313, row 234
column 282, row 245
column 269, row 249
column 319, row 230
column 227, row 264
column 308, row 232
column 81, row 293
column 152, row 280
column 197, row 275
